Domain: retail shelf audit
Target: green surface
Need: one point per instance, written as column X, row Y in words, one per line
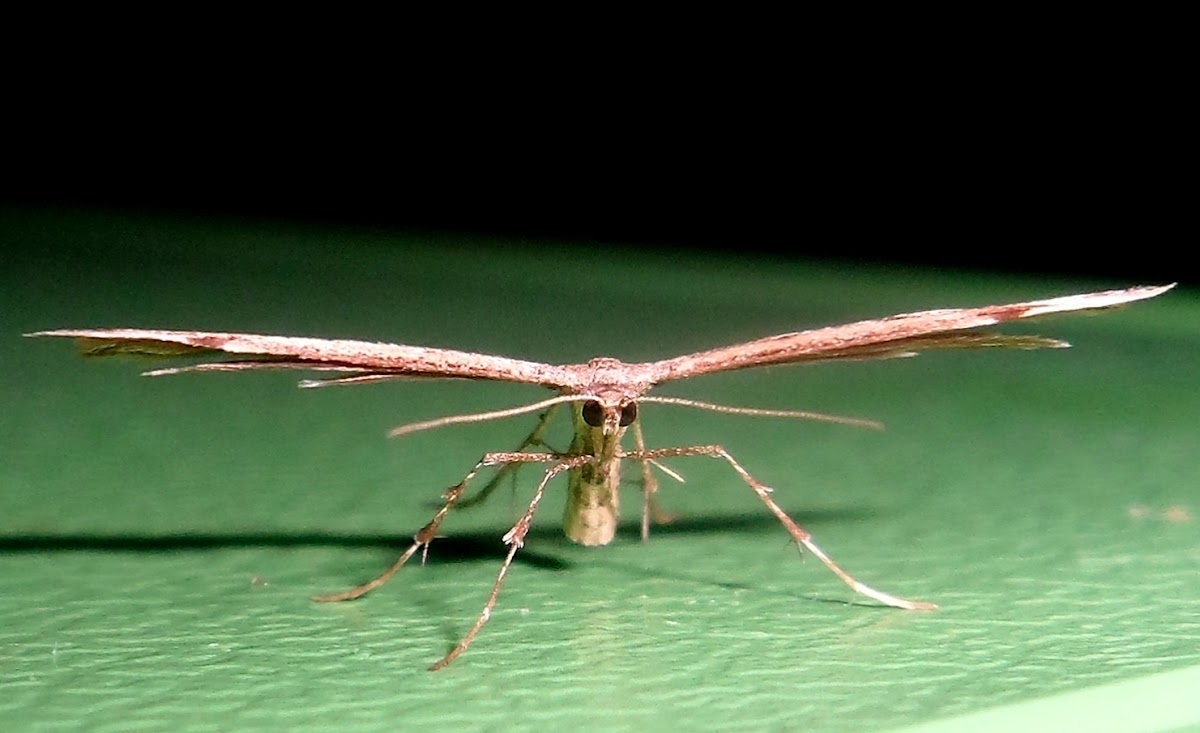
column 159, row 539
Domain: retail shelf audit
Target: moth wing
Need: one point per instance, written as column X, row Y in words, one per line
column 901, row 335
column 361, row 359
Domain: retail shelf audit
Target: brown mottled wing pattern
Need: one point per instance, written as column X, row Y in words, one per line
column 363, row 362
column 895, row 336
column 360, row 358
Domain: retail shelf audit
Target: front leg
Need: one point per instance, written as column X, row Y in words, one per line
column 798, row 533
column 515, row 539
column 428, row 533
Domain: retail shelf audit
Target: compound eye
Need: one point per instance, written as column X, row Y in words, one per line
column 593, row 413
column 628, row 414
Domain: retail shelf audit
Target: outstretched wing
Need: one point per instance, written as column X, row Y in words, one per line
column 900, row 335
column 360, row 360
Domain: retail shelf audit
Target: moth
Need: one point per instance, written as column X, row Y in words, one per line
column 604, row 395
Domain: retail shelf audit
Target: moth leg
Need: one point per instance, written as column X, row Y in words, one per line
column 514, row 538
column 798, row 533
column 427, row 534
column 651, row 508
column 533, row 440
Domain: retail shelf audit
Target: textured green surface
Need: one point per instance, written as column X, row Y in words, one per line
column 159, row 538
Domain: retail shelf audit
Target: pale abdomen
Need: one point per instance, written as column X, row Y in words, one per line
column 592, row 505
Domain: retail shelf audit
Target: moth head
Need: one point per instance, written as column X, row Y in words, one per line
column 611, row 416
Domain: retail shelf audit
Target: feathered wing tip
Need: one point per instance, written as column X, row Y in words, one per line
column 92, row 346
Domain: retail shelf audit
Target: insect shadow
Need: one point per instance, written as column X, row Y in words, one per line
column 469, row 546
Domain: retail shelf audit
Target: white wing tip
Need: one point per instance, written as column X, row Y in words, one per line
column 1091, row 301
column 37, row 334
column 168, row 371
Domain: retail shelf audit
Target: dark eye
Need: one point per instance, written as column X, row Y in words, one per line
column 593, row 413
column 628, row 414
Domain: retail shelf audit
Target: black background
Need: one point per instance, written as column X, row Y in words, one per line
column 1052, row 152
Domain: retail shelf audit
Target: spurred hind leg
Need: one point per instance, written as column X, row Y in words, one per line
column 798, row 533
column 651, row 507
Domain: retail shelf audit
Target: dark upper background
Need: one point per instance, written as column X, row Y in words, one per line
column 1004, row 206
column 1056, row 157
